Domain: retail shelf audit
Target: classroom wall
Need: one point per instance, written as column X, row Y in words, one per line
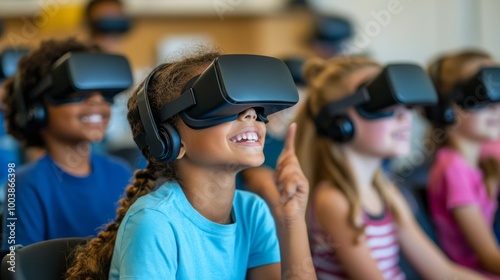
column 417, row 30
column 388, row 30
column 282, row 33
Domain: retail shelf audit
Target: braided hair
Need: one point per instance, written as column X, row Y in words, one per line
column 92, row 261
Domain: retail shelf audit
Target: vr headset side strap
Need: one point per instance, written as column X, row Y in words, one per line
column 181, row 103
column 22, row 115
column 148, row 122
column 335, row 107
column 41, row 87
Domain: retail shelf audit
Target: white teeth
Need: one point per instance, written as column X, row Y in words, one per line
column 92, row 118
column 247, row 136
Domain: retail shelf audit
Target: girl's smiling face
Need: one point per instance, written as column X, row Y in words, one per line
column 236, row 145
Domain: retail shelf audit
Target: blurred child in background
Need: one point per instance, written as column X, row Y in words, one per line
column 358, row 220
column 463, row 185
column 69, row 191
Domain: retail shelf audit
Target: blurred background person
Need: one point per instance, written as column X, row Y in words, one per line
column 108, row 26
column 329, row 35
column 358, row 220
column 107, row 23
column 70, row 191
column 462, row 185
column 325, row 41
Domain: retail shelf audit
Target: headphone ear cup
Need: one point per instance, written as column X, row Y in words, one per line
column 37, row 117
column 171, row 141
column 449, row 115
column 34, row 118
column 342, row 129
column 441, row 114
column 339, row 128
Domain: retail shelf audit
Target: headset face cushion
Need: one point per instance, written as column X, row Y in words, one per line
column 111, row 25
column 76, row 97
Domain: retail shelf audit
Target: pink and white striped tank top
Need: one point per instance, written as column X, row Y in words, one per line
column 381, row 238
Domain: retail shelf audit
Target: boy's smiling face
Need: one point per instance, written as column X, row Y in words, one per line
column 79, row 121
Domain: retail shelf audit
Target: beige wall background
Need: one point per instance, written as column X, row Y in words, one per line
column 280, row 34
column 388, row 30
column 418, row 30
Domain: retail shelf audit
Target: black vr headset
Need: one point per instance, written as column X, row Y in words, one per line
column 228, row 87
column 405, row 84
column 475, row 93
column 111, row 25
column 72, row 77
column 8, row 62
column 83, row 72
column 482, row 88
column 330, row 32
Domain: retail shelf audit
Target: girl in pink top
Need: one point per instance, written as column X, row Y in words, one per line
column 462, row 186
column 359, row 221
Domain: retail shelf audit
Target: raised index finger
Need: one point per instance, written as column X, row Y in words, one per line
column 290, row 139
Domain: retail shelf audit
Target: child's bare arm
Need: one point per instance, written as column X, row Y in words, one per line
column 479, row 236
column 426, row 257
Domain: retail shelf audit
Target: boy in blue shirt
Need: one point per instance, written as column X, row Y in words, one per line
column 69, row 191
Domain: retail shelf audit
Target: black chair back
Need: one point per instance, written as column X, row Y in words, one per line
column 46, row 260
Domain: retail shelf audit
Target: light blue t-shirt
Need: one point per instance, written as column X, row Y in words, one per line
column 163, row 237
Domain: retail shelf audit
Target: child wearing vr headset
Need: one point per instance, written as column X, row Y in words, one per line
column 356, row 116
column 69, row 191
column 107, row 23
column 199, row 121
column 462, row 184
